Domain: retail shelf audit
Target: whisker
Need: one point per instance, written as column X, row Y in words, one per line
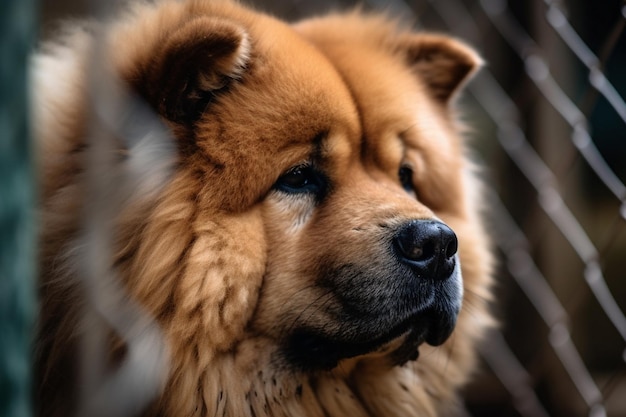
column 311, row 304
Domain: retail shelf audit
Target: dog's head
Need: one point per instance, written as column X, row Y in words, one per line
column 361, row 254
column 320, row 183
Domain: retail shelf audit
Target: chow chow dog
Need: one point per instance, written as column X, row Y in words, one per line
column 317, row 248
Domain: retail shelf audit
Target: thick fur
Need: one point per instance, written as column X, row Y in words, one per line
column 230, row 264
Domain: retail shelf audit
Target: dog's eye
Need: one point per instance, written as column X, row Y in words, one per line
column 301, row 179
column 405, row 173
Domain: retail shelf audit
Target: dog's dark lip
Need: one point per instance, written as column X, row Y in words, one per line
column 309, row 349
column 429, row 325
column 408, row 349
column 414, row 323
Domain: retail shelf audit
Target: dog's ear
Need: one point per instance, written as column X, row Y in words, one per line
column 194, row 63
column 443, row 64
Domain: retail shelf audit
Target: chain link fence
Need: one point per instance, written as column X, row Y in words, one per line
column 549, row 121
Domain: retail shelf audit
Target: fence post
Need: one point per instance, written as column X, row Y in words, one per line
column 17, row 195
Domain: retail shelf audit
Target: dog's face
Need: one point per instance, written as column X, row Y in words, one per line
column 359, row 254
column 339, row 175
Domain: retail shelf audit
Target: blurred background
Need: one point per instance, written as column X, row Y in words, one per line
column 548, row 121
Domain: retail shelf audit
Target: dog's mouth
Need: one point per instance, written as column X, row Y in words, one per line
column 311, row 349
column 393, row 317
column 431, row 327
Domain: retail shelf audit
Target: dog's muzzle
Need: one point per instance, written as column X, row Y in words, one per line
column 410, row 294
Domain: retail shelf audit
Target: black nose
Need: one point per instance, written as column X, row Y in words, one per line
column 428, row 247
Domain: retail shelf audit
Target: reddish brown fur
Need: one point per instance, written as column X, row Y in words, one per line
column 223, row 263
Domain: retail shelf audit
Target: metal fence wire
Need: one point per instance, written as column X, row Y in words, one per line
column 549, row 121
